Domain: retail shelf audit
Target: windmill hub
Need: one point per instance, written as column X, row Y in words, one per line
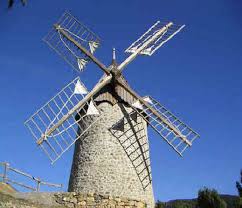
column 115, row 72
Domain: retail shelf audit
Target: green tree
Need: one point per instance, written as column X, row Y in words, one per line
column 208, row 198
column 182, row 204
column 11, row 3
column 239, row 185
column 239, row 188
column 159, row 204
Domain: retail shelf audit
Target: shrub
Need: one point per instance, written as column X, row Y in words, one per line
column 208, row 198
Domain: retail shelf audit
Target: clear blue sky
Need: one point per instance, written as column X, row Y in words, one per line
column 198, row 75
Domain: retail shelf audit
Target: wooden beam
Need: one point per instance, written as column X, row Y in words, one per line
column 176, row 131
column 84, row 50
column 95, row 90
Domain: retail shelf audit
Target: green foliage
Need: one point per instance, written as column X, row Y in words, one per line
column 239, row 185
column 239, row 188
column 176, row 204
column 240, row 202
column 160, row 204
column 182, row 204
column 210, row 199
column 11, row 3
column 231, row 201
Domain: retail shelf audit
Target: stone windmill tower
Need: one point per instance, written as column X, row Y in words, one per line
column 113, row 157
column 108, row 125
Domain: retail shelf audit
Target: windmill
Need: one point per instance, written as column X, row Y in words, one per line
column 108, row 124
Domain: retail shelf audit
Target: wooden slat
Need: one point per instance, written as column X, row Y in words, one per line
column 21, row 173
column 20, row 184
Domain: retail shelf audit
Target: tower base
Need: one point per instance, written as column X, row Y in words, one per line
column 113, row 160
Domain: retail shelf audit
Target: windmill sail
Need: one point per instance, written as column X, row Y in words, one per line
column 170, row 30
column 66, row 35
column 151, row 41
column 56, row 126
column 177, row 134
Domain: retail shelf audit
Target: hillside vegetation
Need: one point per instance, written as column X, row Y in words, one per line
column 231, row 201
column 208, row 198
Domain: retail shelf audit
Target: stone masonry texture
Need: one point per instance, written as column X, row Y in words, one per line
column 112, row 157
column 66, row 200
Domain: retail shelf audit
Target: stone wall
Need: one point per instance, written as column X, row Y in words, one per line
column 66, row 200
column 73, row 200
